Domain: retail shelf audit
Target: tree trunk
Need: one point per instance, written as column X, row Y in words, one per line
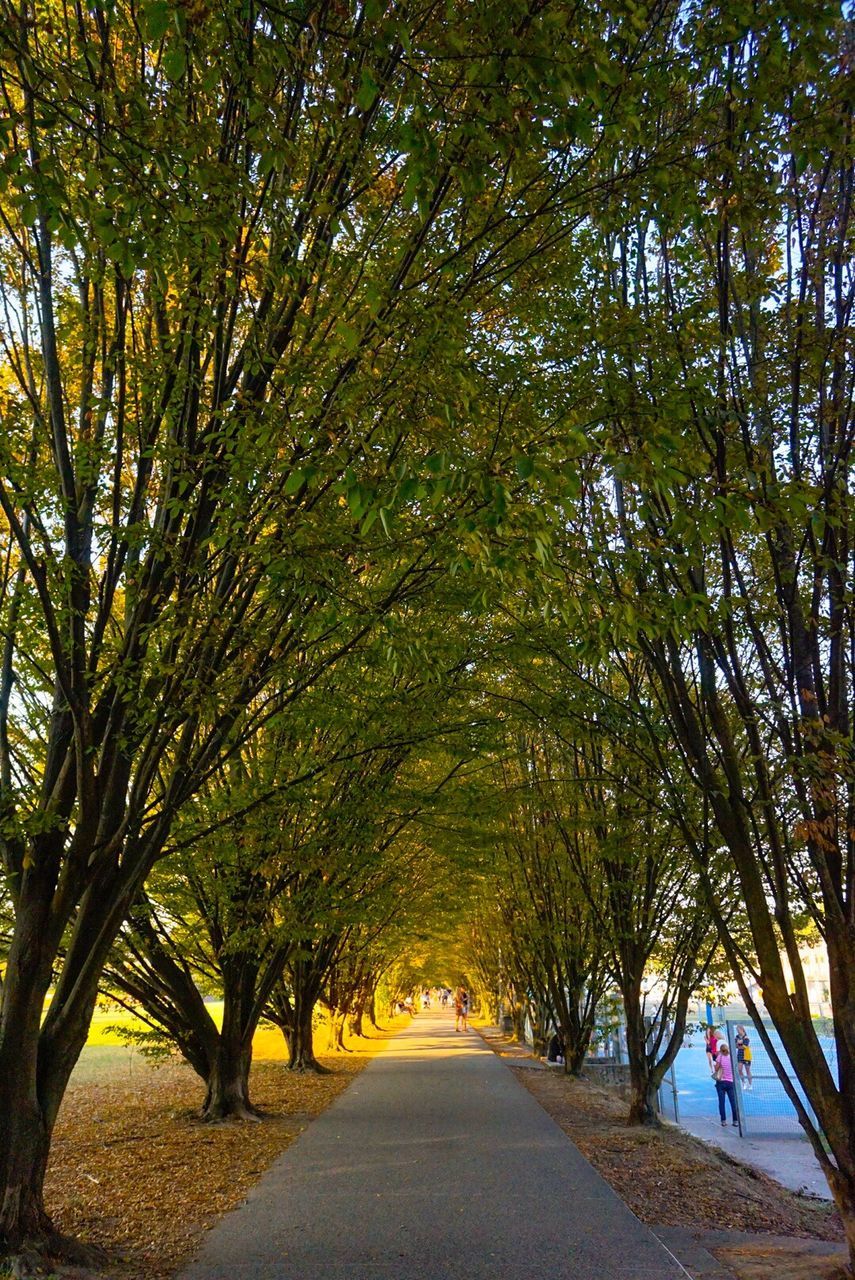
column 301, row 1053
column 518, row 1014
column 575, row 1050
column 576, row 1019
column 27, row 1117
column 372, row 1011
column 642, row 1103
column 335, row 1039
column 227, row 1096
column 36, row 1061
column 843, row 1189
column 357, row 1014
column 25, row 1138
column 305, row 991
column 340, row 1023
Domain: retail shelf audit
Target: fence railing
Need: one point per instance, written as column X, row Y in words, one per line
column 765, row 1108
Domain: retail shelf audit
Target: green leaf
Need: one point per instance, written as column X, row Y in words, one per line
column 174, row 62
column 348, row 335
column 155, row 20
column 367, row 92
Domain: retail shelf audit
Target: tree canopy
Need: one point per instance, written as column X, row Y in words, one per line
column 425, row 527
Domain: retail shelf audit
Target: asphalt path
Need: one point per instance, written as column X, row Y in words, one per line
column 434, row 1164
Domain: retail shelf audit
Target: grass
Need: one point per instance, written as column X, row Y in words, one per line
column 108, row 1056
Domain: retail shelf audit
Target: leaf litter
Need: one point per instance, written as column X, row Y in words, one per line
column 669, row 1178
column 134, row 1170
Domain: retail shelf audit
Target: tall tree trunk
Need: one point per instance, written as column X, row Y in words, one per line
column 518, row 1009
column 228, row 1080
column 355, row 1021
column 306, row 984
column 167, row 992
column 25, row 1140
column 574, row 1057
column 335, row 1038
column 577, row 1038
column 339, row 1023
column 357, row 1014
column 30, row 1097
column 227, row 1096
column 642, row 1103
column 36, row 1061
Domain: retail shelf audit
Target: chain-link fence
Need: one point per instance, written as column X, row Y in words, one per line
column 667, row 1097
column 765, row 1109
column 608, row 1044
column 608, row 1062
column 688, row 1091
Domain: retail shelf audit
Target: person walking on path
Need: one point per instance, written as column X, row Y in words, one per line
column 724, row 1085
column 461, row 1009
column 743, row 1056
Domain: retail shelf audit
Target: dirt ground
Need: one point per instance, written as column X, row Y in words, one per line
column 763, row 1261
column 668, row 1178
column 134, row 1171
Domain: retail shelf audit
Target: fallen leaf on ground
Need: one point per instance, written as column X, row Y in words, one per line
column 134, row 1170
column 669, row 1178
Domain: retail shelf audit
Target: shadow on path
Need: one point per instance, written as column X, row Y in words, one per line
column 435, row 1163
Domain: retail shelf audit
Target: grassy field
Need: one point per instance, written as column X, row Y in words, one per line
column 106, row 1055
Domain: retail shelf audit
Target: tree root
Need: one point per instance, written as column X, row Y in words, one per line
column 58, row 1257
column 240, row 1115
column 309, row 1068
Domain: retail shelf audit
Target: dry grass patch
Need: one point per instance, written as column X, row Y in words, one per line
column 135, row 1171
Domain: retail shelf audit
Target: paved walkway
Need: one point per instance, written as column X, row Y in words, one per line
column 434, row 1165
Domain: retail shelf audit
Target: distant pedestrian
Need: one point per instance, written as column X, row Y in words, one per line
column 711, row 1043
column 555, row 1050
column 724, row 1085
column 743, row 1056
column 461, row 1009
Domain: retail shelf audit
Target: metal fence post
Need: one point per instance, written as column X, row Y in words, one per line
column 737, row 1082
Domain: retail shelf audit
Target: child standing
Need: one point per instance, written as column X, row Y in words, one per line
column 743, row 1056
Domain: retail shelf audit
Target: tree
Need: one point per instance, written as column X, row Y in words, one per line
column 549, row 928
column 207, row 924
column 359, row 854
column 276, row 875
column 651, row 917
column 717, row 511
column 231, row 245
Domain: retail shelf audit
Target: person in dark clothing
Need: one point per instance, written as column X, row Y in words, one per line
column 555, row 1049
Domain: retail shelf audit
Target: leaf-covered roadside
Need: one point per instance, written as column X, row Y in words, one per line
column 120, row 1145
column 669, row 1178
